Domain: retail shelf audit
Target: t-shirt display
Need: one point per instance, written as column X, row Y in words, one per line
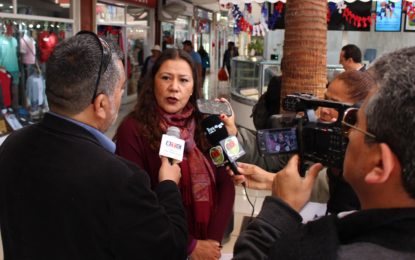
column 5, row 84
column 28, row 49
column 35, row 91
column 47, row 42
column 25, row 46
column 8, row 53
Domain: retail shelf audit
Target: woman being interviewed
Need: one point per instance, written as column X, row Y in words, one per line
column 169, row 99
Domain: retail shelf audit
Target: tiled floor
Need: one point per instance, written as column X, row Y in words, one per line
column 242, row 208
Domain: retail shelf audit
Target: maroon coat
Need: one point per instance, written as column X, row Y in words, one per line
column 133, row 146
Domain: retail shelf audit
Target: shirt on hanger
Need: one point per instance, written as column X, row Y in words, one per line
column 47, row 42
column 5, row 83
column 28, row 49
column 8, row 53
column 35, row 90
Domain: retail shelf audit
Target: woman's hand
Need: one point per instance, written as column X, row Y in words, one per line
column 206, row 250
column 168, row 171
column 229, row 121
column 253, row 176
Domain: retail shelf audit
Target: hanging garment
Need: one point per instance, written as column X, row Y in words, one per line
column 28, row 49
column 8, row 53
column 5, row 82
column 35, row 92
column 47, row 42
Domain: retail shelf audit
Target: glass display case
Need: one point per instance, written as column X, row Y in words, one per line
column 249, row 80
column 250, row 77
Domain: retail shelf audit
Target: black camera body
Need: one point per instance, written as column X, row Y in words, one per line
column 316, row 141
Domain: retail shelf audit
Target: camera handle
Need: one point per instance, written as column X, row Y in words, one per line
column 301, row 166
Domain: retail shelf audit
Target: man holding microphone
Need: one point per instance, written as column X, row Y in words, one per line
column 63, row 192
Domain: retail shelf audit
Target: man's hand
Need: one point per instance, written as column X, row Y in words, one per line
column 253, row 176
column 206, row 250
column 289, row 186
column 168, row 171
column 229, row 121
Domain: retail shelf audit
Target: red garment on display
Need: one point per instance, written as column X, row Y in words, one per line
column 47, row 42
column 5, row 82
column 9, row 30
column 61, row 35
column 129, row 68
column 113, row 32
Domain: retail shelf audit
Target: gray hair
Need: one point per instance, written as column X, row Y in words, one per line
column 72, row 72
column 390, row 111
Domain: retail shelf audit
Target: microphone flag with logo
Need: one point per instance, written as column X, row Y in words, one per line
column 171, row 145
column 226, row 149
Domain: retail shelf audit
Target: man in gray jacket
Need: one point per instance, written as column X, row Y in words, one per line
column 380, row 166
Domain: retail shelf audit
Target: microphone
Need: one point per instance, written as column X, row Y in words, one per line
column 171, row 146
column 226, row 149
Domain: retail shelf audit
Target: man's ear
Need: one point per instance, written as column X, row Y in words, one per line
column 387, row 163
column 100, row 104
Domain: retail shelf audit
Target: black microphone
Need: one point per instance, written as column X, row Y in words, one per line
column 217, row 135
column 172, row 146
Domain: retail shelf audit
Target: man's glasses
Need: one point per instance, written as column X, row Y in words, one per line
column 349, row 121
column 105, row 58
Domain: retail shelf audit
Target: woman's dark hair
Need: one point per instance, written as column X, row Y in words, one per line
column 268, row 104
column 145, row 112
column 358, row 83
column 202, row 52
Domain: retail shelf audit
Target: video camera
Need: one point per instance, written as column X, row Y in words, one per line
column 313, row 140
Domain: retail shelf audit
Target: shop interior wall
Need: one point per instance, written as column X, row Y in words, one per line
column 383, row 42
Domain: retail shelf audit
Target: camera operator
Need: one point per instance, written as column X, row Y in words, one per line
column 379, row 166
column 348, row 87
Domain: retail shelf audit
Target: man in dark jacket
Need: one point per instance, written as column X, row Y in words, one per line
column 379, row 166
column 63, row 193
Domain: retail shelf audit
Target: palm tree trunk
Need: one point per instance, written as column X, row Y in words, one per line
column 305, row 51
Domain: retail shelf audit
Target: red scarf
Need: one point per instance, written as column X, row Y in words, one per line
column 198, row 184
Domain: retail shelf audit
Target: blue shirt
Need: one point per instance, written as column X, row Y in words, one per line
column 196, row 57
column 102, row 139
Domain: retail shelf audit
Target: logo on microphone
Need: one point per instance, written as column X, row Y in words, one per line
column 211, row 130
column 232, row 148
column 216, row 154
column 173, row 145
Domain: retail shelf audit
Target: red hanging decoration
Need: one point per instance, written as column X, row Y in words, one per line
column 356, row 20
column 279, row 6
column 249, row 8
column 410, row 9
column 328, row 16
